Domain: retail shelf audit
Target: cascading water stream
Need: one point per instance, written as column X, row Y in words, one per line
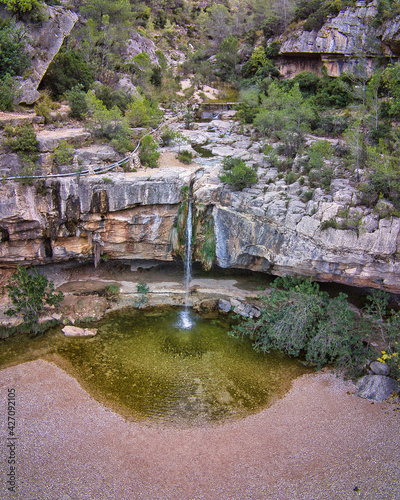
column 188, row 250
column 185, row 319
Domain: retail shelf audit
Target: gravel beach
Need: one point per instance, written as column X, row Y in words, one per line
column 319, row 442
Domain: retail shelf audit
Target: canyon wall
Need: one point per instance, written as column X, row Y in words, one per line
column 130, row 216
column 136, row 216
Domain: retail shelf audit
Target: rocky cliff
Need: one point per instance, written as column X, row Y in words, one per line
column 128, row 217
column 136, row 216
column 45, row 40
column 275, row 232
column 340, row 42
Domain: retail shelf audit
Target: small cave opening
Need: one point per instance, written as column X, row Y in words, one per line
column 48, row 249
column 4, row 234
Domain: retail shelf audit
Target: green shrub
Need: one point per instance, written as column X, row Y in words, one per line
column 332, row 222
column 308, row 82
column 185, row 156
column 290, row 178
column 22, row 140
column 107, row 123
column 143, row 113
column 111, row 98
column 111, row 292
column 238, row 174
column 230, row 162
column 307, row 196
column 272, row 26
column 45, row 106
column 14, row 59
column 29, row 293
column 77, row 103
column 8, row 93
column 63, row 154
column 303, row 320
column 167, row 136
column 20, row 7
column 148, row 153
column 68, row 70
column 142, row 290
column 385, row 325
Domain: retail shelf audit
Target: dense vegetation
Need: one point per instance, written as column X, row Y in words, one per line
column 231, row 43
column 297, row 318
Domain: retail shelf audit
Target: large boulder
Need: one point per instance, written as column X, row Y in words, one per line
column 376, row 387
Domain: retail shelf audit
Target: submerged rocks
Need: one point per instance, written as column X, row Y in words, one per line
column 376, row 387
column 75, row 331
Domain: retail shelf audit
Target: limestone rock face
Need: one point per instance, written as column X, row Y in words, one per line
column 45, row 41
column 130, row 217
column 268, row 228
column 338, row 43
column 139, row 216
column 137, row 44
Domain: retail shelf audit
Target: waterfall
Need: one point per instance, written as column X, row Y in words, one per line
column 188, row 249
column 185, row 320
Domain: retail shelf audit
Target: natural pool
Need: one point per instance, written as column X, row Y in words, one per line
column 145, row 365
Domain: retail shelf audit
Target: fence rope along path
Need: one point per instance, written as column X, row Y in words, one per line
column 131, row 158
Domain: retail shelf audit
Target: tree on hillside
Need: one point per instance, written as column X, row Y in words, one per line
column 19, row 7
column 228, row 57
column 14, row 59
column 218, row 23
column 66, row 71
column 117, row 11
column 285, row 116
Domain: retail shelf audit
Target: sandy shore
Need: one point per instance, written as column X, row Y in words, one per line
column 319, row 442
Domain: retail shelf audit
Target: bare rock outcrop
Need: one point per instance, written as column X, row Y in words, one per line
column 45, row 40
column 130, row 216
column 268, row 228
column 137, row 44
column 339, row 43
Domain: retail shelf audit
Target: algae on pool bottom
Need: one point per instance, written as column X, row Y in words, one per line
column 145, row 366
column 154, row 370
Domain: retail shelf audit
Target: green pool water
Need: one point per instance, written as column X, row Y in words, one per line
column 152, row 368
column 149, row 367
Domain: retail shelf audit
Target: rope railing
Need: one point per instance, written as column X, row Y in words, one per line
column 98, row 170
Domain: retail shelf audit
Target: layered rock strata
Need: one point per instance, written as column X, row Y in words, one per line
column 128, row 217
column 134, row 216
column 339, row 43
